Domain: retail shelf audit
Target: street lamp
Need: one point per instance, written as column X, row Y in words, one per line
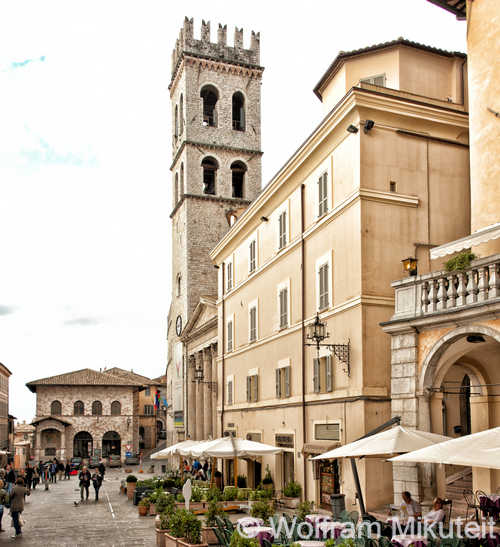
column 199, row 377
column 316, row 332
column 410, row 265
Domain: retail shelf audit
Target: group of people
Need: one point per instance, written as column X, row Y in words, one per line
column 85, row 478
column 198, row 470
column 410, row 509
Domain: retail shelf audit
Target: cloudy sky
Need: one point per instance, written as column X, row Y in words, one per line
column 85, row 150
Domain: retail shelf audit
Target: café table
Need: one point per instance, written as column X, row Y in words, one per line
column 490, row 505
column 332, row 529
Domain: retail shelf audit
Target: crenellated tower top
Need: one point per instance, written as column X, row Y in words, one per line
column 186, row 44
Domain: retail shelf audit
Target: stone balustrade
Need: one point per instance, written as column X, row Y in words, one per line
column 441, row 291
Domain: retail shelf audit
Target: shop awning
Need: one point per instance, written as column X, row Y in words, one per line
column 481, row 236
column 319, row 447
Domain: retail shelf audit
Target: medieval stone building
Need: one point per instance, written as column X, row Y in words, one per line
column 216, row 171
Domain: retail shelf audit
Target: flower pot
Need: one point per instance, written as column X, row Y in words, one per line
column 184, row 543
column 291, row 503
column 152, row 509
column 160, row 537
column 130, row 489
column 208, row 535
column 170, row 541
column 143, row 510
column 268, row 486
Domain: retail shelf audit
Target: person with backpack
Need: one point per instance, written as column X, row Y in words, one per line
column 97, row 482
column 17, row 505
column 4, row 502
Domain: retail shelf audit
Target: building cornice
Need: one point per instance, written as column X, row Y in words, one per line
column 401, row 105
column 213, row 146
column 235, row 201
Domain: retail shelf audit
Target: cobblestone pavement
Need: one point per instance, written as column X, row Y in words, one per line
column 52, row 518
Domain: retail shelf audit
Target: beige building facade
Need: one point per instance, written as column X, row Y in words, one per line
column 5, row 422
column 86, row 413
column 445, row 331
column 384, row 176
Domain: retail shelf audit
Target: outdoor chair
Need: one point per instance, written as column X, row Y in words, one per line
column 344, row 516
column 471, row 504
column 354, row 517
column 266, row 543
column 447, row 515
column 221, row 537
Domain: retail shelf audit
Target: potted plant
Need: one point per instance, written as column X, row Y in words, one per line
column 291, row 494
column 191, row 530
column 196, row 502
column 262, row 510
column 239, row 540
column 162, row 524
column 303, row 509
column 267, row 481
column 241, row 481
column 229, row 495
column 143, row 507
column 175, row 528
column 131, row 484
column 208, row 531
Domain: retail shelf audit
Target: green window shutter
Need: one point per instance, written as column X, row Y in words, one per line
column 329, row 374
column 249, row 387
column 278, row 383
column 316, row 363
column 287, row 371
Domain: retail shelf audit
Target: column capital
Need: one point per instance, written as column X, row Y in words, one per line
column 213, row 348
column 192, row 360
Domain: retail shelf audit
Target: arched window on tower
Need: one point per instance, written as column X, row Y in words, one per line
column 176, row 128
column 78, row 408
column 181, row 115
column 181, row 187
column 210, row 167
column 238, row 170
column 210, row 97
column 116, row 408
column 176, row 189
column 56, row 408
column 97, row 408
column 238, row 111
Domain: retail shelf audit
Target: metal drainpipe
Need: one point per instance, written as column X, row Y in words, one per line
column 303, row 353
column 223, row 340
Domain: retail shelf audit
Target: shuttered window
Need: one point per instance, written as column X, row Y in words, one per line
column 251, row 256
column 278, row 383
column 283, row 378
column 329, row 373
column 230, row 392
column 229, row 336
column 316, row 375
column 229, row 276
column 253, row 324
column 253, row 388
column 375, row 80
column 282, row 230
column 324, row 297
column 322, row 194
column 283, row 307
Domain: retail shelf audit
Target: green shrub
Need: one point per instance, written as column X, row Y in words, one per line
column 292, row 490
column 165, row 502
column 262, row 510
column 230, row 493
column 263, row 493
column 192, row 528
column 214, row 510
column 213, row 494
column 303, row 509
column 131, row 478
column 165, row 519
column 144, row 502
column 239, row 540
column 177, row 523
column 241, row 481
column 242, row 495
column 180, row 498
column 460, row 262
column 196, row 494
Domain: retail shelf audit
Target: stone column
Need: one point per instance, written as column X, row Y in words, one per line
column 191, row 399
column 199, row 400
column 207, row 393
column 63, row 444
column 213, row 349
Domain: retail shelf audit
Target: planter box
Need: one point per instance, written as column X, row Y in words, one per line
column 193, row 505
column 183, row 543
column 290, row 503
column 143, row 511
column 131, row 489
column 169, row 540
column 152, row 509
column 208, row 535
column 160, row 537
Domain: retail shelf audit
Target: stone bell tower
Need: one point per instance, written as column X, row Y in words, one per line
column 216, row 171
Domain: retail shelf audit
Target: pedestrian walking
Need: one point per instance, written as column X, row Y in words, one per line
column 67, row 471
column 45, row 475
column 4, row 500
column 85, row 479
column 102, row 469
column 36, row 478
column 97, row 482
column 53, row 472
column 28, row 473
column 17, row 505
column 11, row 478
column 60, row 470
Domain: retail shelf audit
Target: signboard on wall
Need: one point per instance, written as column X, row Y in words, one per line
column 179, row 418
column 284, row 441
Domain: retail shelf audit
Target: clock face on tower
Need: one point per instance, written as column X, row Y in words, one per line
column 178, row 325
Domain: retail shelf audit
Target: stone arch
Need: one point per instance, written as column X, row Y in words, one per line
column 442, row 355
column 210, row 95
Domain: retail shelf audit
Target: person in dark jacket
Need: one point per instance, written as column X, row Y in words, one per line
column 97, row 482
column 102, row 469
column 67, row 471
column 85, row 479
column 17, row 505
column 4, row 500
column 10, row 478
column 28, row 474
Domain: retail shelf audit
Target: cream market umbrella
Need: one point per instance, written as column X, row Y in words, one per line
column 477, row 450
column 173, row 450
column 396, row 440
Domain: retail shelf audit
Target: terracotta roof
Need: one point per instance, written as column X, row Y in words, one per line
column 457, row 7
column 122, row 373
column 343, row 55
column 160, row 380
column 84, row 377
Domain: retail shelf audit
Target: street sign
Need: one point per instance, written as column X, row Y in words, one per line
column 128, row 446
column 128, row 454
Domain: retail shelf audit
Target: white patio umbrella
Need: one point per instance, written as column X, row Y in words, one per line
column 477, row 450
column 396, row 440
column 173, row 450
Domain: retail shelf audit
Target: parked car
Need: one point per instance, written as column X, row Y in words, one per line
column 94, row 461
column 114, row 460
column 76, row 463
column 133, row 459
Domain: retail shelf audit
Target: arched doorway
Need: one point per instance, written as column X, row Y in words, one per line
column 83, row 445
column 51, row 443
column 111, row 444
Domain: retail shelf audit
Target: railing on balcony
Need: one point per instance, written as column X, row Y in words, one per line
column 440, row 291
